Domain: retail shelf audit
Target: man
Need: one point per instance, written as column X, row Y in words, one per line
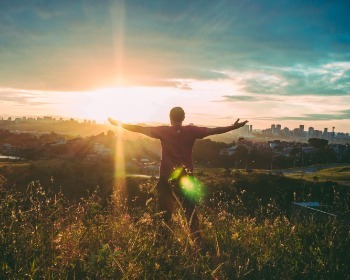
column 177, row 143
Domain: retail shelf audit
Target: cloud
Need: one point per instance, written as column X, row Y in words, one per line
column 235, row 98
column 265, row 83
column 73, row 45
column 330, row 79
column 184, row 86
column 241, row 98
column 340, row 115
column 19, row 97
column 248, row 98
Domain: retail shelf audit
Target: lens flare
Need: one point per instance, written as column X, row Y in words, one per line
column 176, row 173
column 189, row 185
column 119, row 176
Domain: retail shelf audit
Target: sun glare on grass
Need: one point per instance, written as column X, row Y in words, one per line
column 119, row 176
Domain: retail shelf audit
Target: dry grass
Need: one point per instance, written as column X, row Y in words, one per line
column 43, row 236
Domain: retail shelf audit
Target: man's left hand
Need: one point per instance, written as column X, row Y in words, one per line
column 238, row 124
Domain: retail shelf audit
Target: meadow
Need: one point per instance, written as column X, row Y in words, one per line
column 339, row 174
column 244, row 234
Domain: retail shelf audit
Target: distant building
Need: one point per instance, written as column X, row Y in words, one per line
column 311, row 132
column 285, row 132
column 317, row 134
column 244, row 131
column 273, row 129
column 278, row 129
column 101, row 150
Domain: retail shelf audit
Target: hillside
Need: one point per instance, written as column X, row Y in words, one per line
column 246, row 232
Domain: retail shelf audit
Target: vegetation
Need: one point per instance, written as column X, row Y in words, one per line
column 69, row 223
column 67, row 127
column 338, row 174
column 44, row 235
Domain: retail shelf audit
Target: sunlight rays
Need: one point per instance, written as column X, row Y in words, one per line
column 119, row 165
column 105, row 107
column 118, row 21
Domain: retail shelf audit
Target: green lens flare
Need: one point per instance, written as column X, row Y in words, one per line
column 191, row 187
column 176, row 173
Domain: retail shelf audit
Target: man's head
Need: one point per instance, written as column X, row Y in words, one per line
column 177, row 115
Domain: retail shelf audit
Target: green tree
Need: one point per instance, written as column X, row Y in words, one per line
column 318, row 143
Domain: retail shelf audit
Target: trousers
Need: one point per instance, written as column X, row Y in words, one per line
column 169, row 192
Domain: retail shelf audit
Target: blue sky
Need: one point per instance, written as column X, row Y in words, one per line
column 267, row 61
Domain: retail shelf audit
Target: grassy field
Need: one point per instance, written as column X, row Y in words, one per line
column 340, row 174
column 45, row 236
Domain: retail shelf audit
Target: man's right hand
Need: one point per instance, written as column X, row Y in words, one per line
column 114, row 122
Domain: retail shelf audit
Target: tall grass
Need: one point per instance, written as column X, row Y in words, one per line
column 44, row 236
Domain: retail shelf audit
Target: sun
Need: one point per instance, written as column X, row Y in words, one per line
column 129, row 105
column 139, row 104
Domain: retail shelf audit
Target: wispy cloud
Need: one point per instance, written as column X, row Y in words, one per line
column 249, row 98
column 24, row 97
column 330, row 79
column 340, row 115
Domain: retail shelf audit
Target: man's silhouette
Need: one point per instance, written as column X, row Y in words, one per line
column 177, row 143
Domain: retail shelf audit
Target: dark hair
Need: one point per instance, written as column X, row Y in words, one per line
column 177, row 114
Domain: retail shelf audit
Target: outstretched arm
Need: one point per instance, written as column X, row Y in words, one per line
column 132, row 127
column 224, row 129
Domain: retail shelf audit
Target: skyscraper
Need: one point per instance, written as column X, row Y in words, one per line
column 311, row 132
column 273, row 129
column 278, row 129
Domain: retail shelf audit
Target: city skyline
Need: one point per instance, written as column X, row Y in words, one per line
column 264, row 61
column 250, row 127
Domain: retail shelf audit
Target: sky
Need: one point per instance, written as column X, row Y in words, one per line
column 270, row 62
